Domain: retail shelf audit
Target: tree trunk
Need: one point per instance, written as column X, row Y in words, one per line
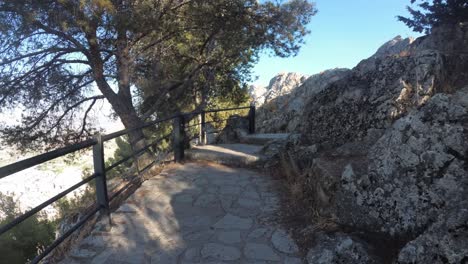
column 122, row 101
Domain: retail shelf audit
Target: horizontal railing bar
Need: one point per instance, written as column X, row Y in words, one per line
column 126, row 186
column 227, row 109
column 197, row 124
column 152, row 144
column 214, row 131
column 118, row 163
column 36, row 160
column 137, row 153
column 64, row 236
column 216, row 110
column 36, row 209
column 126, row 131
column 148, row 166
column 115, row 194
column 215, row 121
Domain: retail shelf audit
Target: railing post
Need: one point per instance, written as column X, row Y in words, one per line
column 203, row 128
column 252, row 119
column 179, row 137
column 100, row 172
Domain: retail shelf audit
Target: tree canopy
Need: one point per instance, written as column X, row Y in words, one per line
column 59, row 57
column 439, row 12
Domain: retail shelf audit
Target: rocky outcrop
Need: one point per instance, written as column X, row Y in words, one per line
column 283, row 111
column 383, row 152
column 257, row 93
column 283, row 84
column 280, row 85
column 339, row 248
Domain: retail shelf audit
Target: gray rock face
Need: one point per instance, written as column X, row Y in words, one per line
column 283, row 242
column 380, row 90
column 280, row 85
column 384, row 149
column 257, row 93
column 339, row 249
column 283, row 84
column 282, row 111
column 444, row 242
column 395, row 46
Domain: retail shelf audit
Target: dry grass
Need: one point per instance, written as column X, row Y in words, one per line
column 302, row 202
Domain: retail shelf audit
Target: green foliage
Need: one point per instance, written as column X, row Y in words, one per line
column 72, row 205
column 219, row 53
column 178, row 54
column 123, row 150
column 23, row 242
column 236, row 98
column 439, row 12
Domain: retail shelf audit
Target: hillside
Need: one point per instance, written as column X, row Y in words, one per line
column 379, row 168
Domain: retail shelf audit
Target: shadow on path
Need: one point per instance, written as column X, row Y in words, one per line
column 194, row 213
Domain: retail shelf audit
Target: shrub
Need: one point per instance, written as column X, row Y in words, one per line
column 437, row 13
column 23, row 242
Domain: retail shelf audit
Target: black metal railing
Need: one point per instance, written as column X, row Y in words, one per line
column 103, row 198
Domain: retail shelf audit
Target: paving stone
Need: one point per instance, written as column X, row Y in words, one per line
column 283, row 242
column 183, row 198
column 226, row 201
column 101, row 258
column 126, row 256
column 94, row 241
column 117, row 229
column 211, row 190
column 258, row 233
column 207, row 200
column 230, row 221
column 128, row 209
column 260, row 252
column 249, row 203
column 271, row 200
column 290, row 260
column 229, row 237
column 195, row 221
column 204, row 235
column 82, row 253
column 251, row 195
column 227, row 189
column 192, row 254
column 200, row 182
column 220, row 252
column 194, row 214
column 166, row 256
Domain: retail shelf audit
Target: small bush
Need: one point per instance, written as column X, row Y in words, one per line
column 23, row 242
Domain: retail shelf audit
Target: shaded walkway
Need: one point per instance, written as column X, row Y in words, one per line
column 194, row 213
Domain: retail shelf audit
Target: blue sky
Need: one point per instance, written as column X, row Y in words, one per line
column 343, row 32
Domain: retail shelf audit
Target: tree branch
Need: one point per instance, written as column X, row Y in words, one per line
column 72, row 107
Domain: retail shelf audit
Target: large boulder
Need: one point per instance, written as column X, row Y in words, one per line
column 339, row 249
column 445, row 241
column 416, row 171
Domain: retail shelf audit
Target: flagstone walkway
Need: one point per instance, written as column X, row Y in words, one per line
column 194, row 213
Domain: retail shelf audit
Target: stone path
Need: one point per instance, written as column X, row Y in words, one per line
column 237, row 155
column 194, row 213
